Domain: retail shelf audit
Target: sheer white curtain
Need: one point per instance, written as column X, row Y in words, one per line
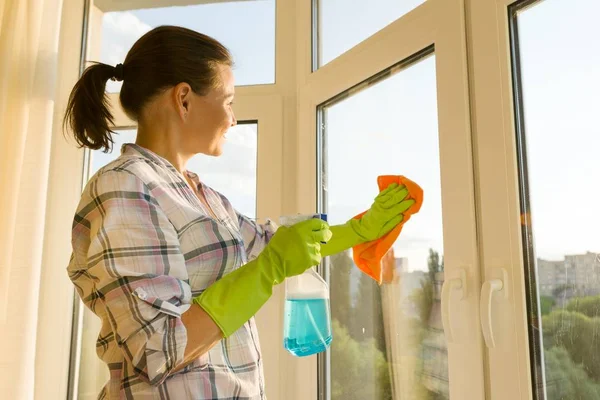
column 29, row 39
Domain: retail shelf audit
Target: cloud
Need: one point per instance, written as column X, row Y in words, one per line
column 120, row 30
column 125, row 24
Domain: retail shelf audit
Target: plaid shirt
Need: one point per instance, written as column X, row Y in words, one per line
column 143, row 246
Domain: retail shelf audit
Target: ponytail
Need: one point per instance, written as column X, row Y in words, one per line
column 88, row 113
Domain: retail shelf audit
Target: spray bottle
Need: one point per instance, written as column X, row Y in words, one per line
column 307, row 318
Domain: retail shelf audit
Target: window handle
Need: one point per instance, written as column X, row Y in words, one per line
column 455, row 284
column 485, row 306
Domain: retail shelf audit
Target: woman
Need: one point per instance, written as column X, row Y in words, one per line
column 172, row 270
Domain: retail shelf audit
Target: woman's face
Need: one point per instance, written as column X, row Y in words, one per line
column 210, row 116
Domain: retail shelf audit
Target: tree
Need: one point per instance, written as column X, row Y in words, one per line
column 341, row 305
column 434, row 264
column 578, row 334
column 566, row 379
column 588, row 306
column 546, row 304
column 367, row 322
column 359, row 370
column 423, row 298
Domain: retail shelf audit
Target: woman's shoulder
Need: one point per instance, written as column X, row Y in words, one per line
column 220, row 196
column 123, row 170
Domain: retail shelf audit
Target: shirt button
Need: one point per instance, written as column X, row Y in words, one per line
column 141, row 294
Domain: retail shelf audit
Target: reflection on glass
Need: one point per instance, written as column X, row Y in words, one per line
column 342, row 24
column 560, row 85
column 233, row 174
column 388, row 341
column 246, row 28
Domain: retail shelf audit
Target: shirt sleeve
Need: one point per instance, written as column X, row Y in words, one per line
column 256, row 236
column 139, row 273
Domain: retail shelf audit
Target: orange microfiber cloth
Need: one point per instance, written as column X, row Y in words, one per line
column 368, row 256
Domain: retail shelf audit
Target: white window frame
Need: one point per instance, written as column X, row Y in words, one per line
column 500, row 229
column 53, row 341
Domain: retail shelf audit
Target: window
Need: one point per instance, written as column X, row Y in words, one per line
column 397, row 106
column 390, row 335
column 253, row 51
column 491, row 289
column 343, row 24
column 535, row 83
column 557, row 104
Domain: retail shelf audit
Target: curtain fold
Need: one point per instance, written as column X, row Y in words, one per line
column 29, row 36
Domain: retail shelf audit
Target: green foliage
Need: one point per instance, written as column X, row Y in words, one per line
column 359, row 370
column 546, row 304
column 566, row 379
column 358, row 352
column 341, row 304
column 434, row 264
column 423, row 300
column 368, row 314
column 588, row 306
column 578, row 334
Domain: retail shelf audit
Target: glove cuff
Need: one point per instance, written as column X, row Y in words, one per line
column 344, row 237
column 237, row 297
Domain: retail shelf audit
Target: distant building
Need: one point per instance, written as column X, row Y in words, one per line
column 402, row 265
column 551, row 274
column 577, row 275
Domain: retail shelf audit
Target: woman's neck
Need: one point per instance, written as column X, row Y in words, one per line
column 163, row 140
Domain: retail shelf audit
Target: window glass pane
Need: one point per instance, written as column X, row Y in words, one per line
column 388, row 341
column 247, row 28
column 345, row 23
column 559, row 86
column 233, row 174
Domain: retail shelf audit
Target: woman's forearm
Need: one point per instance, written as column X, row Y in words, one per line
column 343, row 238
column 202, row 334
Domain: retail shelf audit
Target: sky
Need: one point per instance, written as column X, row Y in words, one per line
column 391, row 127
column 561, row 87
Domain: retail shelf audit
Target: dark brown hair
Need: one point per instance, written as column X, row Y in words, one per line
column 162, row 58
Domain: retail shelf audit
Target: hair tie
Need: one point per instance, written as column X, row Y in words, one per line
column 118, row 75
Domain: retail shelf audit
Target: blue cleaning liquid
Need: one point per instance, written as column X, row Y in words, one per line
column 307, row 326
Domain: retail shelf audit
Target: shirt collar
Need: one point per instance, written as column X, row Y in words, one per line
column 134, row 149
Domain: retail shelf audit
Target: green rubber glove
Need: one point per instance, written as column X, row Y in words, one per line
column 235, row 298
column 380, row 219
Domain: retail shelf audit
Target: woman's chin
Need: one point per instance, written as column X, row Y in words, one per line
column 216, row 151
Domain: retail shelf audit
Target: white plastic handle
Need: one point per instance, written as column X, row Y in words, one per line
column 485, row 306
column 449, row 285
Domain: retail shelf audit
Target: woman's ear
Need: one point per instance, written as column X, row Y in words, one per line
column 182, row 93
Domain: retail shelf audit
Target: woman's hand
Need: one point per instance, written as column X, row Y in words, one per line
column 385, row 213
column 294, row 249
